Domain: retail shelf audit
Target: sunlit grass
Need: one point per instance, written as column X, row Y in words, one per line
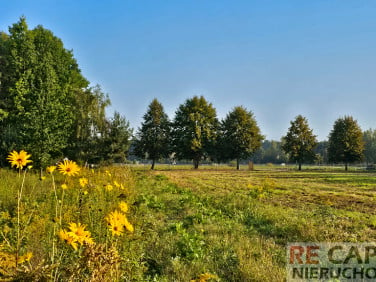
column 177, row 223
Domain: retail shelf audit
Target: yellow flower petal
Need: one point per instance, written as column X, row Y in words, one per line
column 19, row 160
column 68, row 167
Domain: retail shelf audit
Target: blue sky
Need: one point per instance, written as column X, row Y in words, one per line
column 277, row 58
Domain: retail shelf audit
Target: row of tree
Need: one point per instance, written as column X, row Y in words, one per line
column 345, row 145
column 47, row 106
column 196, row 134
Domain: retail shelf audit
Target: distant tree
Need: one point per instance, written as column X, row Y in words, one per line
column 239, row 135
column 118, row 138
column 369, row 138
column 194, row 130
column 321, row 152
column 270, row 152
column 299, row 142
column 153, row 138
column 345, row 141
column 90, row 125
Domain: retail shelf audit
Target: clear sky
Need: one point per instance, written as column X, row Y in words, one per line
column 277, row 58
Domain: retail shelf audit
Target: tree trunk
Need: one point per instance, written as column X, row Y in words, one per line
column 300, row 166
column 196, row 163
column 237, row 164
column 152, row 164
column 40, row 174
column 346, row 166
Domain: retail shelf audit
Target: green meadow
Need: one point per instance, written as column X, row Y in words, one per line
column 210, row 224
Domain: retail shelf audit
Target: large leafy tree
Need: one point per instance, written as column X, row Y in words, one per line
column 346, row 143
column 194, row 130
column 239, row 135
column 299, row 142
column 39, row 80
column 369, row 138
column 153, row 138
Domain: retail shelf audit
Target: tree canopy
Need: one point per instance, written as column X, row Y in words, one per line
column 346, row 143
column 299, row 142
column 46, row 104
column 239, row 135
column 369, row 138
column 195, row 130
column 153, row 138
column 39, row 83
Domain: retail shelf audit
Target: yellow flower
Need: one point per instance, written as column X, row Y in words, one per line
column 117, row 221
column 25, row 257
column 123, row 206
column 43, row 178
column 116, row 229
column 51, row 169
column 78, row 232
column 68, row 167
column 128, row 225
column 19, row 160
column 109, row 187
column 64, row 236
column 83, row 182
column 117, row 185
column 205, row 277
column 64, row 186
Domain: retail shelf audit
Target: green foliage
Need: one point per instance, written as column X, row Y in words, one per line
column 190, row 244
column 153, row 138
column 299, row 141
column 194, row 130
column 40, row 77
column 118, row 138
column 321, row 151
column 239, row 135
column 270, row 152
column 46, row 106
column 90, row 124
column 346, row 143
column 369, row 138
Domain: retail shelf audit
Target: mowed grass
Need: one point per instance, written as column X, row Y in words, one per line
column 215, row 220
column 236, row 224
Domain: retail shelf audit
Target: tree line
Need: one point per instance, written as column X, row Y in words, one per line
column 196, row 134
column 48, row 108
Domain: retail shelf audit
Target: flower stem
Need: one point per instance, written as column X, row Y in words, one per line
column 55, row 220
column 19, row 196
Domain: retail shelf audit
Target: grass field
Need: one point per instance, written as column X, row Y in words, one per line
column 215, row 222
